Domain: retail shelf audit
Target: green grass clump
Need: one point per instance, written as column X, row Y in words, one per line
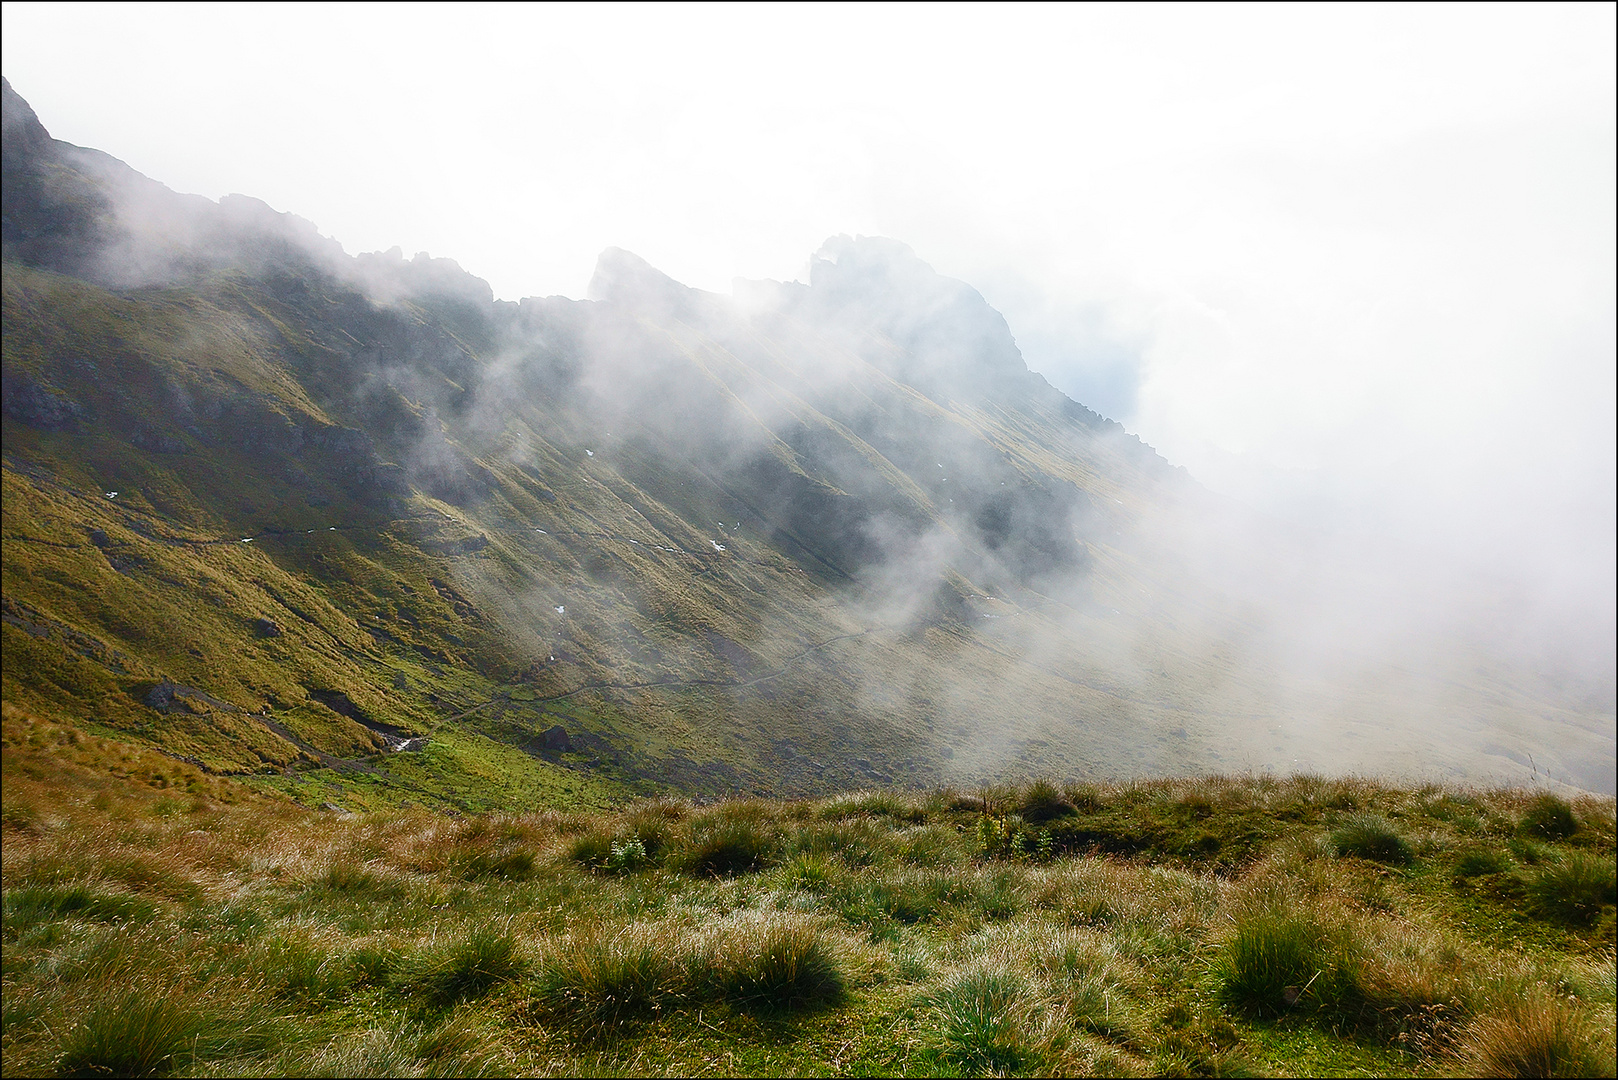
column 511, row 864
column 1368, row 836
column 347, row 877
column 304, row 971
column 1481, row 861
column 731, row 839
column 467, row 968
column 144, row 1030
column 778, row 962
column 1537, row 1036
column 28, row 907
column 1549, row 818
column 1575, row 887
column 602, row 977
column 1041, row 802
column 986, row 1022
column 856, row 843
column 606, row 976
column 873, row 804
column 1281, row 958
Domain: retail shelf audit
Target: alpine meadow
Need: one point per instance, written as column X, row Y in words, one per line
column 400, row 681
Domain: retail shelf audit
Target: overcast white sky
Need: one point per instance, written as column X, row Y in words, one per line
column 1356, row 259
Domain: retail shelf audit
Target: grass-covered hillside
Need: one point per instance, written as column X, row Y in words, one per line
column 274, row 510
column 159, row 920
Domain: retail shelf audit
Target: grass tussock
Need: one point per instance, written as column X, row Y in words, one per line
column 732, row 838
column 1538, row 1035
column 605, row 977
column 464, row 968
column 139, row 1032
column 1369, row 836
column 1282, row 957
column 1575, row 887
column 988, row 1023
column 1549, row 818
column 773, row 962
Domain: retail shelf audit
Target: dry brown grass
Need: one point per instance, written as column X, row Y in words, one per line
column 1538, row 1035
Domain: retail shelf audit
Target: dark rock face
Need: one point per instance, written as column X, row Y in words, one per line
column 39, row 406
column 556, row 740
column 169, row 697
column 338, row 702
column 266, row 628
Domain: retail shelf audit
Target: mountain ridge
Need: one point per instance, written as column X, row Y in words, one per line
column 808, row 537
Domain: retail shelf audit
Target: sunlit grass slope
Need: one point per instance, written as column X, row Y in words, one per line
column 160, row 921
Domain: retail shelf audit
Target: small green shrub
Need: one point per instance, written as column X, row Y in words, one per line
column 1537, row 1036
column 1574, row 888
column 465, row 969
column 986, row 1022
column 1549, row 818
column 1370, row 837
column 1012, row 838
column 627, row 855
